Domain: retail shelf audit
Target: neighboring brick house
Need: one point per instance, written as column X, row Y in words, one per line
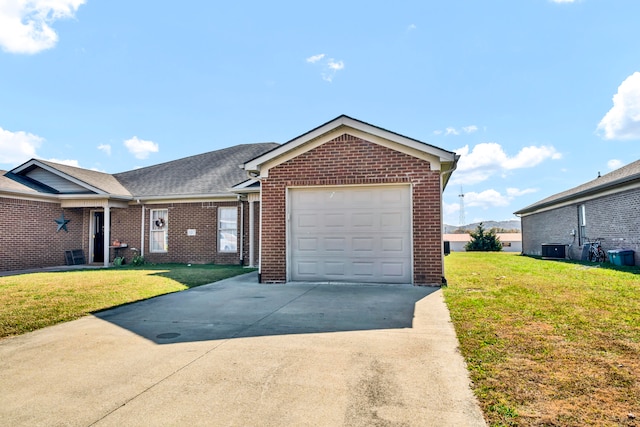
column 605, row 208
column 347, row 201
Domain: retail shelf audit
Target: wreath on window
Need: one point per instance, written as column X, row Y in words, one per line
column 159, row 222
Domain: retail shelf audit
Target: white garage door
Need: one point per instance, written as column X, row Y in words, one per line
column 351, row 234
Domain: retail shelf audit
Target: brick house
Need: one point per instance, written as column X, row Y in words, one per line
column 605, row 208
column 347, row 201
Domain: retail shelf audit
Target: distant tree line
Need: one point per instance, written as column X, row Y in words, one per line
column 494, row 229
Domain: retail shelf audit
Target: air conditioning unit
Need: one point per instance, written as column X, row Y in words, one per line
column 554, row 251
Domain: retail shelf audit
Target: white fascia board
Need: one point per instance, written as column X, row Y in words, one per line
column 29, row 195
column 245, row 190
column 96, row 202
column 195, row 198
column 354, row 127
column 93, row 196
column 35, row 162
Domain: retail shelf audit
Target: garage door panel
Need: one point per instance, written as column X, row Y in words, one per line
column 362, row 244
column 351, row 234
column 392, row 269
column 362, row 219
column 392, row 244
column 307, row 220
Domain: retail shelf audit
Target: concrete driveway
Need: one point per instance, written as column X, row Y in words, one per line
column 236, row 353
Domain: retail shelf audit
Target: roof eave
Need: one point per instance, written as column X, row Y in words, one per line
column 578, row 195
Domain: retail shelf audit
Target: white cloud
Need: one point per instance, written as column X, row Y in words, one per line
column 488, row 158
column 453, row 131
column 411, row 27
column 330, row 66
column 105, row 148
column 67, row 162
column 614, row 164
column 515, row 192
column 563, row 1
column 18, row 147
column 623, row 119
column 140, row 148
column 315, row 58
column 25, row 25
column 335, row 65
column 485, row 199
column 450, row 208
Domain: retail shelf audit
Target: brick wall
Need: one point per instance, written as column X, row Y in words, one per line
column 348, row 160
column 28, row 234
column 613, row 218
column 551, row 227
column 28, row 237
column 199, row 249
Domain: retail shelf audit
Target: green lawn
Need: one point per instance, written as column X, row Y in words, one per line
column 548, row 343
column 32, row 301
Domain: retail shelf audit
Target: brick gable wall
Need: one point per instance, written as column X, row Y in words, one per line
column 348, row 160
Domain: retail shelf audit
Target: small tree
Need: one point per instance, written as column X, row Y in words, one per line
column 482, row 240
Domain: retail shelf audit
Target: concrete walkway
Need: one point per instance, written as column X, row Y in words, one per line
column 236, row 353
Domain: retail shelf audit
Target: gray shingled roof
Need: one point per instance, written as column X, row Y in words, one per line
column 214, row 172
column 11, row 182
column 625, row 174
column 104, row 181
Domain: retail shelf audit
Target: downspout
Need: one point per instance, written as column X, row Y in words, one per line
column 107, row 234
column 256, row 176
column 241, row 230
column 456, row 157
column 142, row 223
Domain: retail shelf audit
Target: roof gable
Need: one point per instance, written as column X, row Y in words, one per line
column 440, row 159
column 64, row 179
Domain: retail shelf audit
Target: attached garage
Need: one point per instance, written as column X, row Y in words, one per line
column 350, row 234
column 352, row 202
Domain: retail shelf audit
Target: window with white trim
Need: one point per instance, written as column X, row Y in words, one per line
column 158, row 230
column 228, row 229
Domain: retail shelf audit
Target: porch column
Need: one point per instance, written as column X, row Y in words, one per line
column 107, row 233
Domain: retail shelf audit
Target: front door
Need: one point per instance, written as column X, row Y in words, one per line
column 98, row 237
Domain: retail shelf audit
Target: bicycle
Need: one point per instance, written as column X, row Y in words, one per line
column 596, row 253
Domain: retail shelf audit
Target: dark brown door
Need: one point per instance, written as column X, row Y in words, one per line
column 98, row 237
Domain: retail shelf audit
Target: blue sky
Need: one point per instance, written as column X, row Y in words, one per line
column 537, row 96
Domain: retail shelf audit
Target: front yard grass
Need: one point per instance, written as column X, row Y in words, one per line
column 548, row 343
column 36, row 300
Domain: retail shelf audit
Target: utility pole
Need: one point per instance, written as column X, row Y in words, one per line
column 461, row 221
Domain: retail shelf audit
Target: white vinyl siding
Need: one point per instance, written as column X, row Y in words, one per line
column 351, row 234
column 158, row 230
column 228, row 229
